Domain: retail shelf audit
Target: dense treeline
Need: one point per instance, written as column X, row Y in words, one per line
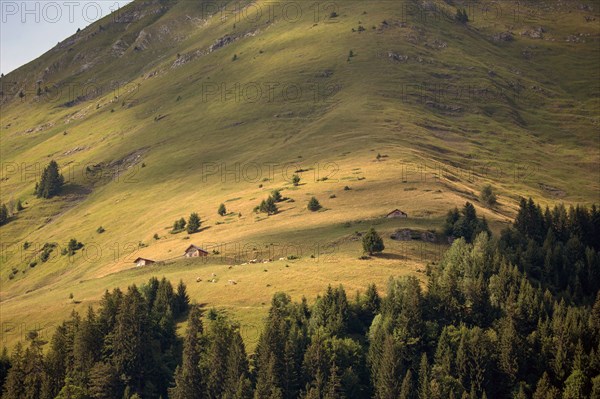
column 558, row 248
column 487, row 325
column 127, row 347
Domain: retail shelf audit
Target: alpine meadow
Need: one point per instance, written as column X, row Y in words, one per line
column 281, row 199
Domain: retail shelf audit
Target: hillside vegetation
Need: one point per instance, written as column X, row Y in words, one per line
column 173, row 107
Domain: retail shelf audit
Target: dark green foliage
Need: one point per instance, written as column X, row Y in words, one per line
column 295, row 180
column 268, row 206
column 19, row 205
column 222, row 210
column 179, row 225
column 193, row 224
column 487, row 196
column 51, row 181
column 73, row 246
column 461, row 16
column 277, row 196
column 372, row 242
column 182, row 300
column 313, row 205
column 4, row 367
column 3, row 214
column 484, row 327
column 465, row 224
column 46, row 251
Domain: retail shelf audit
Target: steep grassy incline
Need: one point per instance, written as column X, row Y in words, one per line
column 173, row 107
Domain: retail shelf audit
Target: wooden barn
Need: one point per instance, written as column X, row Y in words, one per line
column 193, row 251
column 143, row 262
column 396, row 213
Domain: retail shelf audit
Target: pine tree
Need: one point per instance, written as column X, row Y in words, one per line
column 103, row 381
column 131, row 339
column 333, row 388
column 222, row 210
column 179, row 225
column 4, row 367
column 386, row 385
column 193, row 224
column 189, row 381
column 86, row 347
column 268, row 206
column 237, row 382
column 487, row 196
column 277, row 196
column 3, row 214
column 295, row 180
column 51, row 181
column 182, row 299
column 372, row 242
column 575, row 386
column 406, row 388
column 313, row 205
column 424, row 377
column 14, row 387
column 544, row 389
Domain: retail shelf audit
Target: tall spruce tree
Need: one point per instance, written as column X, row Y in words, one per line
column 189, row 381
column 51, row 181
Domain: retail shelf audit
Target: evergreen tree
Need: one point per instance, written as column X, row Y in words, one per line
column 51, row 181
column 295, row 180
column 424, row 377
column 386, row 384
column 545, row 390
column 406, row 388
column 333, row 388
column 189, row 381
column 3, row 214
column 268, row 206
column 179, row 225
column 575, row 386
column 222, row 210
column 313, row 205
column 182, row 299
column 14, row 388
column 4, row 367
column 277, row 196
column 372, row 242
column 487, row 196
column 131, row 340
column 193, row 224
column 104, row 381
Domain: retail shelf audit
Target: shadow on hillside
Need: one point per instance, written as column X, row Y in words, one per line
column 389, row 256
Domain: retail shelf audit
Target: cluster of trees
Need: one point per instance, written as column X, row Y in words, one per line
column 51, row 181
column 127, row 347
column 557, row 247
column 269, row 206
column 465, row 223
column 485, row 327
column 193, row 224
column 6, row 211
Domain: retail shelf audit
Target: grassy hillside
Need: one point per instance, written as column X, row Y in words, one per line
column 173, row 107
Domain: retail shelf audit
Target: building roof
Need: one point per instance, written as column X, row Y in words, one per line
column 195, row 247
column 146, row 259
column 397, row 210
